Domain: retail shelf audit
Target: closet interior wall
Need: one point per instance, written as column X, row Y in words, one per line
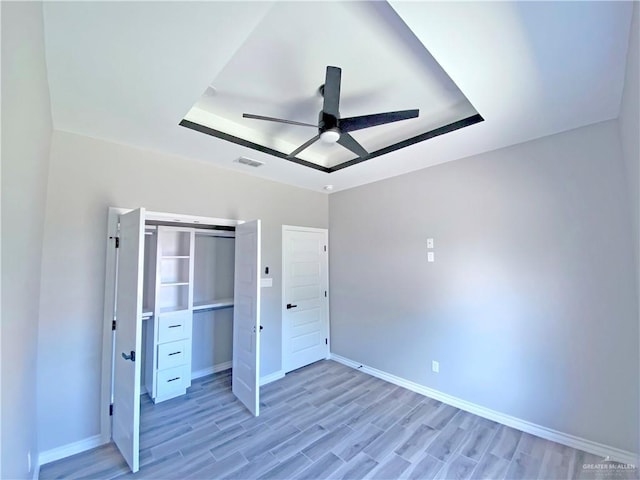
column 212, row 328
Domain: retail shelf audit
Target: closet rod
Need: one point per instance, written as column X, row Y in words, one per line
column 200, row 226
column 216, row 234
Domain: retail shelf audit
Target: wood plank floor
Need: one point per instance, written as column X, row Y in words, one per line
column 327, row 421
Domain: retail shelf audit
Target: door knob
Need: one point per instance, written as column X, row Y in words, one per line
column 131, row 356
column 289, row 306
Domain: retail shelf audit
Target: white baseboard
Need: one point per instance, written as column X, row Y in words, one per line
column 220, row 367
column 272, row 377
column 70, row 449
column 589, row 446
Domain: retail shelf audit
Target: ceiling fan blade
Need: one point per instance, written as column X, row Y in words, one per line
column 304, row 145
column 365, row 121
column 350, row 143
column 278, row 120
column 332, row 91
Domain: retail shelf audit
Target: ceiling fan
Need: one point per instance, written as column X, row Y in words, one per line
column 332, row 128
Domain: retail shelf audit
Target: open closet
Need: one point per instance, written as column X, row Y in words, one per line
column 186, row 301
column 187, row 306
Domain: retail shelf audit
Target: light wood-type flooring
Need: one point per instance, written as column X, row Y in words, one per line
column 328, row 421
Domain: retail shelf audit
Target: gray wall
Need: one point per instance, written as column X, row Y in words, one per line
column 87, row 176
column 629, row 119
column 530, row 306
column 26, row 135
column 629, row 122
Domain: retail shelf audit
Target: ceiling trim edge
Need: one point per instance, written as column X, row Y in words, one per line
column 465, row 122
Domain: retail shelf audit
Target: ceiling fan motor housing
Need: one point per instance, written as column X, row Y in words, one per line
column 326, row 122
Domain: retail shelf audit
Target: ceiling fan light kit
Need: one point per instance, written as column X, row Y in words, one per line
column 330, row 136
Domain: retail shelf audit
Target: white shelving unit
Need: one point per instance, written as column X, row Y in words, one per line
column 168, row 336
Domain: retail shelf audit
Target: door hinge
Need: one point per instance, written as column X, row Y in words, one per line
column 325, row 293
column 325, row 248
column 326, row 341
column 117, row 242
column 113, row 324
column 111, row 410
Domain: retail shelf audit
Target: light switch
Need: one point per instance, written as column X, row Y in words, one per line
column 431, row 257
column 429, row 242
column 266, row 282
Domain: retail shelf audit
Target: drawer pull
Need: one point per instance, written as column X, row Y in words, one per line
column 174, row 326
column 173, row 379
column 174, row 353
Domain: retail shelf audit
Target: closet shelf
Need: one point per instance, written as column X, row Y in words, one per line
column 172, row 257
column 209, row 305
column 179, row 308
column 213, row 304
column 173, row 284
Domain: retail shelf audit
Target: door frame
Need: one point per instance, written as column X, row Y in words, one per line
column 108, row 353
column 294, row 228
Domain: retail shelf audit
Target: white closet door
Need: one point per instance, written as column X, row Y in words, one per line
column 126, row 401
column 246, row 316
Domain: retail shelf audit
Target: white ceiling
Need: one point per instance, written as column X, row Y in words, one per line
column 129, row 72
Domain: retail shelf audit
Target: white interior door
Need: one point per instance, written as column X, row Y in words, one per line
column 126, row 390
column 246, row 316
column 305, row 321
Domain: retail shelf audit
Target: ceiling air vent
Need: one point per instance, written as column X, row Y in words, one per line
column 250, row 162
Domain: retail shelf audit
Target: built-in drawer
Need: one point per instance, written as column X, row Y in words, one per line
column 174, row 326
column 172, row 354
column 171, row 382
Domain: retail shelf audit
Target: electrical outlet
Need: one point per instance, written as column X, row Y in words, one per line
column 431, row 257
column 435, row 366
column 429, row 242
